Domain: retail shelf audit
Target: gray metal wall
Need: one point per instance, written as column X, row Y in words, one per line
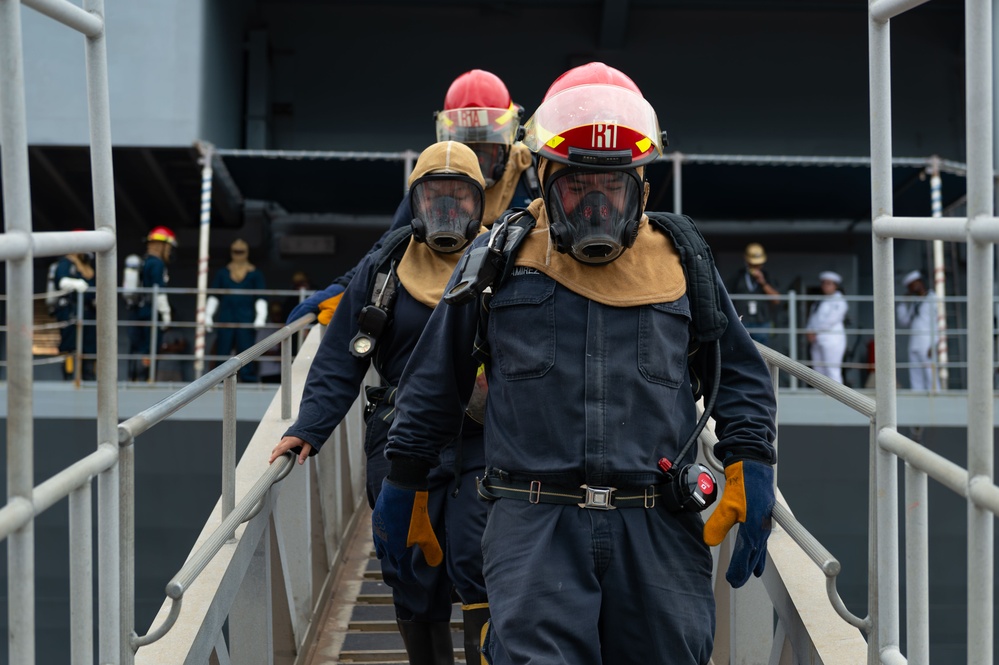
column 175, row 70
column 788, row 79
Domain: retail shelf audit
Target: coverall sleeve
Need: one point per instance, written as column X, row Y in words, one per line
column 336, row 375
column 436, row 384
column 746, row 407
column 337, row 286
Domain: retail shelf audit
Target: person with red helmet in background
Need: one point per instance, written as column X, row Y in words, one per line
column 479, row 112
column 589, row 315
column 149, row 271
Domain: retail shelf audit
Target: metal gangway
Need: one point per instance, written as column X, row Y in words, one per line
column 248, row 594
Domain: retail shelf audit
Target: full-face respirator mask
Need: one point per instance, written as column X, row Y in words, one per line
column 594, row 215
column 447, row 211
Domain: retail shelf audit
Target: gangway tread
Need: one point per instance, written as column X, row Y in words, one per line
column 359, row 623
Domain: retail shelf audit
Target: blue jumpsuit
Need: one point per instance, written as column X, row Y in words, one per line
column 65, row 311
column 237, row 309
column 154, row 273
column 332, row 386
column 582, row 392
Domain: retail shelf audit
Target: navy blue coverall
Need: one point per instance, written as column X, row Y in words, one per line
column 332, row 386
column 154, row 273
column 237, row 309
column 582, row 392
column 65, row 311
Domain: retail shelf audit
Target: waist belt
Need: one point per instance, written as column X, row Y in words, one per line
column 585, row 496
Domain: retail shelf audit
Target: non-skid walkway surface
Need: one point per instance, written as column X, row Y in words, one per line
column 359, row 626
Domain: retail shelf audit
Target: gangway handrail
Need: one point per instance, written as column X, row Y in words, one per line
column 70, row 15
column 245, row 510
column 19, row 512
column 822, row 557
column 860, row 403
column 142, row 421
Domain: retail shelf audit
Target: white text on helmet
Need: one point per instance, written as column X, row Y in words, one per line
column 473, row 118
column 604, row 137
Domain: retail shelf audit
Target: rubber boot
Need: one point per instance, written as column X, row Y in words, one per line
column 427, row 643
column 474, row 621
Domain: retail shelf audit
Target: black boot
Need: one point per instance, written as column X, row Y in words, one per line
column 427, row 643
column 474, row 623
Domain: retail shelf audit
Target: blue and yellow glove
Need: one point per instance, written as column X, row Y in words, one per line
column 748, row 498
column 399, row 521
column 327, row 309
column 319, row 302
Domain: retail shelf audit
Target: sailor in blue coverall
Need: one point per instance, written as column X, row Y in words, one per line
column 587, row 342
column 76, row 272
column 240, row 275
column 160, row 243
column 446, row 191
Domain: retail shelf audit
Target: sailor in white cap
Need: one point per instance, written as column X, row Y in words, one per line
column 825, row 327
column 919, row 315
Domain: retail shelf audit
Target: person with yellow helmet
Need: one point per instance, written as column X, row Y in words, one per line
column 150, row 271
column 593, row 551
column 756, row 313
column 377, row 323
column 479, row 112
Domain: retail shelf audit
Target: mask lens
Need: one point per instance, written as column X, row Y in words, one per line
column 492, row 160
column 598, row 208
column 447, row 208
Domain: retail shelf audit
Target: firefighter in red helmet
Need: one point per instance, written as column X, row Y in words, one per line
column 478, row 112
column 149, row 271
column 593, row 528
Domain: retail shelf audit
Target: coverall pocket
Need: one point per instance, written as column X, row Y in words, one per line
column 663, row 336
column 376, row 430
column 522, row 327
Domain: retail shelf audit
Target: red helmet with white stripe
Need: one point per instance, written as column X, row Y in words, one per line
column 479, row 112
column 595, row 115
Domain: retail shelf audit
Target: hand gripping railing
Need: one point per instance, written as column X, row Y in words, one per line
column 232, row 515
column 826, row 562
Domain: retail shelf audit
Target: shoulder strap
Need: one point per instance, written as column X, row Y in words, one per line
column 708, row 322
column 381, row 289
column 517, row 223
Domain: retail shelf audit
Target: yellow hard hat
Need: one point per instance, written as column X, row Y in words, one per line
column 755, row 256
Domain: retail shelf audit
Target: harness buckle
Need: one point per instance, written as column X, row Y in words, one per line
column 598, row 498
column 650, row 496
column 534, row 496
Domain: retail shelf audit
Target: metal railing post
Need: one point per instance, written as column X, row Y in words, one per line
column 792, row 325
column 228, row 445
column 81, row 577
column 154, row 328
column 883, row 582
column 677, row 182
column 981, row 264
column 20, row 427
